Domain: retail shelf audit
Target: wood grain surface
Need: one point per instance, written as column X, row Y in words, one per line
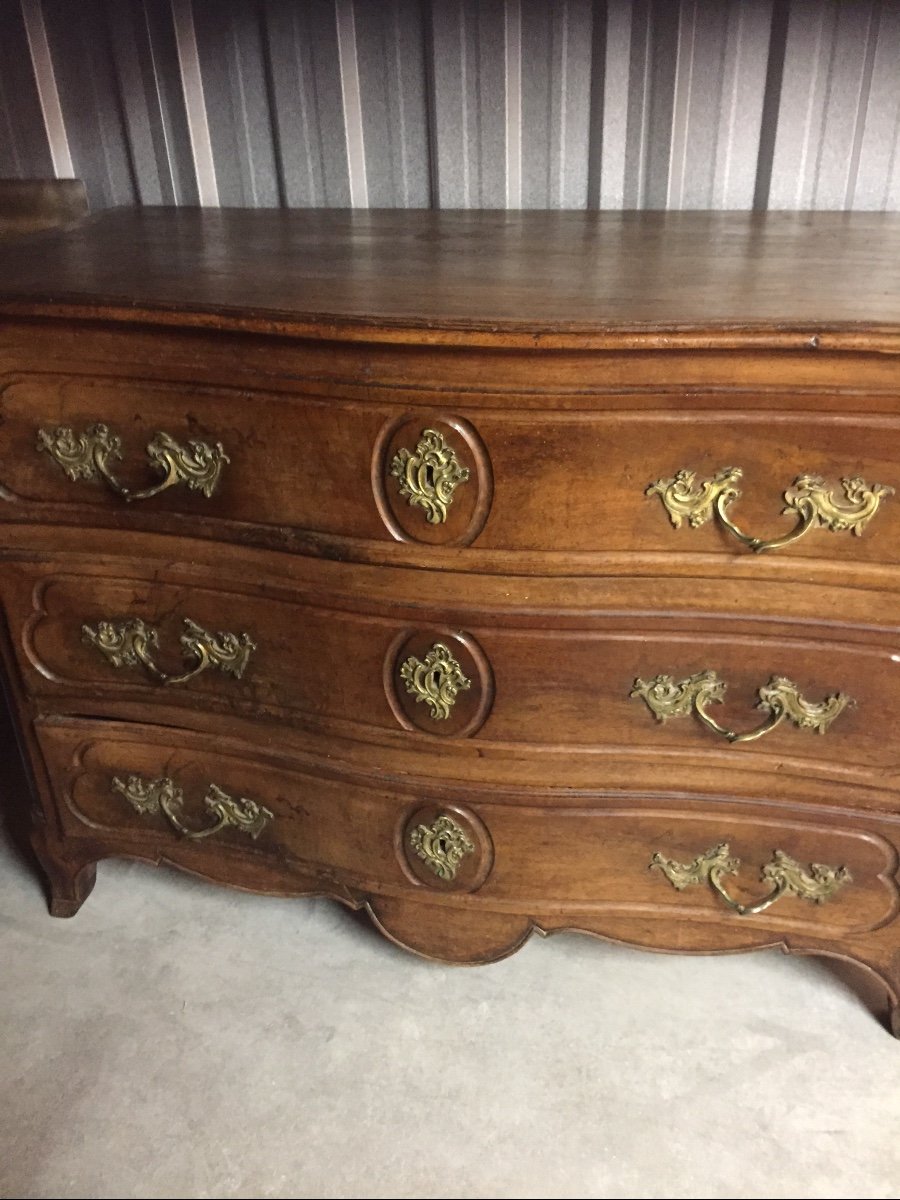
column 496, row 273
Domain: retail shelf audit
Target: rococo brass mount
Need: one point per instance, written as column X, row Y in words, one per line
column 88, row 455
column 817, row 885
column 809, row 499
column 780, row 698
column 436, row 682
column 442, row 846
column 161, row 795
column 128, row 643
column 429, row 475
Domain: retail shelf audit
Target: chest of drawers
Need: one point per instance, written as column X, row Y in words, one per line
column 490, row 572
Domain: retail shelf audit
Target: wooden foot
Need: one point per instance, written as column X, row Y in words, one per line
column 71, row 878
column 875, row 980
column 888, row 973
column 68, row 894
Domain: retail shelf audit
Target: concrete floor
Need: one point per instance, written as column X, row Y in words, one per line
column 177, row 1039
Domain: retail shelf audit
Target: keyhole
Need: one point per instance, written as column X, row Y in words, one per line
column 429, row 476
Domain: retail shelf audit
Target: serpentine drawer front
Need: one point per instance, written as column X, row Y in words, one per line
column 162, row 794
column 252, row 465
column 824, row 702
column 491, row 571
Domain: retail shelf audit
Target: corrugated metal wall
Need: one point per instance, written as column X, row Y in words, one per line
column 457, row 103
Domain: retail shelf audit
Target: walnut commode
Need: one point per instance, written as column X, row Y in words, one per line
column 399, row 562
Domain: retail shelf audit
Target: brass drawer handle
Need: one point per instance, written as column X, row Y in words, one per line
column 813, row 503
column 428, row 476
column 817, row 885
column 161, row 795
column 780, row 698
column 88, row 455
column 128, row 643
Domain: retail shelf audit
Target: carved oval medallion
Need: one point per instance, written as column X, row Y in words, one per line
column 445, row 847
column 432, row 479
column 438, row 681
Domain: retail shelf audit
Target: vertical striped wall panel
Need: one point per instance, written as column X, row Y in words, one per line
column 457, row 103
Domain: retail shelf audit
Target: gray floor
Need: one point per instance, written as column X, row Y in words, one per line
column 177, row 1039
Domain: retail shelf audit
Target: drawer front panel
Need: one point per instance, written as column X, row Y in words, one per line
column 291, row 462
column 584, row 484
column 496, row 479
column 491, row 677
column 508, row 857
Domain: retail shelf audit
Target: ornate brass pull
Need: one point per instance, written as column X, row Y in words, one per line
column 817, row 885
column 442, row 846
column 429, row 475
column 128, row 643
column 780, row 698
column 436, row 682
column 808, row 498
column 161, row 795
column 88, row 455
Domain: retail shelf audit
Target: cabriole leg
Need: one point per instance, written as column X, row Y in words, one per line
column 71, row 877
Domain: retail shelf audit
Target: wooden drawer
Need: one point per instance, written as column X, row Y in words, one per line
column 583, row 482
column 562, row 697
column 233, row 813
column 282, row 461
column 290, row 470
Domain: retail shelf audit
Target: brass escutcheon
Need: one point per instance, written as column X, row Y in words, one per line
column 429, row 475
column 817, row 884
column 128, row 643
column 780, row 698
column 436, row 682
column 809, row 499
column 87, row 455
column 442, row 846
column 161, row 795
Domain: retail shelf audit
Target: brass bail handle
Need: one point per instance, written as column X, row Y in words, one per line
column 817, row 884
column 780, row 699
column 128, row 644
column 775, row 717
column 88, row 455
column 151, row 796
column 809, row 499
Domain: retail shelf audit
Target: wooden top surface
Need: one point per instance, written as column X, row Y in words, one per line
column 461, row 276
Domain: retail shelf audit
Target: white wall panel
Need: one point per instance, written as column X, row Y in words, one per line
column 457, row 103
